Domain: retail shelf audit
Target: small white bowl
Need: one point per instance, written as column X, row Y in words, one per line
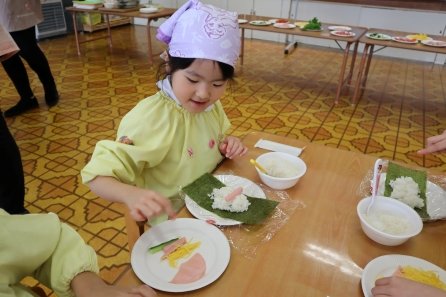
column 390, row 206
column 281, row 183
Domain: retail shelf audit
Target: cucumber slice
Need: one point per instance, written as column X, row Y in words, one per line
column 156, row 248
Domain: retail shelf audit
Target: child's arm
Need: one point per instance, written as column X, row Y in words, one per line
column 395, row 286
column 232, row 147
column 143, row 204
column 88, row 284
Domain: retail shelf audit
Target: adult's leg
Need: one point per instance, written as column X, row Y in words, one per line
column 12, row 183
column 33, row 55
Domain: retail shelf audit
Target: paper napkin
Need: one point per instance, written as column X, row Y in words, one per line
column 278, row 147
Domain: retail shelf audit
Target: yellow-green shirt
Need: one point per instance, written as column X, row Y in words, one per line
column 39, row 245
column 170, row 147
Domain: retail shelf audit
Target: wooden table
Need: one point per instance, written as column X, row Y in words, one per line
column 162, row 13
column 369, row 45
column 321, row 250
column 324, row 34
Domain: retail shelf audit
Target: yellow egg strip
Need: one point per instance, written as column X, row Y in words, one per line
column 427, row 277
column 182, row 252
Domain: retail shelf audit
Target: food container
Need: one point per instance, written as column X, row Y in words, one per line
column 384, row 216
column 288, row 162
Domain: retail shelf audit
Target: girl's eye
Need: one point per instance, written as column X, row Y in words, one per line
column 218, row 85
column 191, row 80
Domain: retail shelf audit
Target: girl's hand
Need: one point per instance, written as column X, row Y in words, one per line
column 146, row 204
column 395, row 286
column 232, row 147
column 434, row 144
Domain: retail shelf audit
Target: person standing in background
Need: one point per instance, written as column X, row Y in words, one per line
column 19, row 18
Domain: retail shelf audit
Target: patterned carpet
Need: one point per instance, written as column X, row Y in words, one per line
column 404, row 102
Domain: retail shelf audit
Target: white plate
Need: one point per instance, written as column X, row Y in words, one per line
column 242, row 21
column 249, row 189
column 434, row 43
column 343, row 33
column 339, row 28
column 403, row 39
column 148, row 9
column 272, row 21
column 385, row 266
column 284, row 25
column 381, row 36
column 260, row 23
column 214, row 248
column 435, row 198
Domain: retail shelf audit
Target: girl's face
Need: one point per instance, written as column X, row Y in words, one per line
column 199, row 85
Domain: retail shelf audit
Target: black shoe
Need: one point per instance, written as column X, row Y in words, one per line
column 52, row 97
column 21, row 107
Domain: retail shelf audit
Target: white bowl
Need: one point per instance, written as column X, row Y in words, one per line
column 281, row 183
column 393, row 207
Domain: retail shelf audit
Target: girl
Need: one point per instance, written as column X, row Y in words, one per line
column 173, row 137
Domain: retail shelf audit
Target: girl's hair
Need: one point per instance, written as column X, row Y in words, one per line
column 174, row 64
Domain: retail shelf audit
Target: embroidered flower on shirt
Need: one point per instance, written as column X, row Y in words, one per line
column 190, row 152
column 211, row 143
column 125, row 140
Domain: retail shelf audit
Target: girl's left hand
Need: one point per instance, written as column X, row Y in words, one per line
column 232, row 147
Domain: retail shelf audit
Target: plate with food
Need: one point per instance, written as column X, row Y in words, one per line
column 313, row 25
column 343, row 33
column 404, row 266
column 180, row 255
column 242, row 21
column 378, row 36
column 227, row 200
column 339, row 28
column 403, row 39
column 284, row 25
column 434, row 43
column 419, row 37
column 301, row 24
column 260, row 23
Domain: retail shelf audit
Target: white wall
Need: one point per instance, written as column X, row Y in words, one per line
column 429, row 22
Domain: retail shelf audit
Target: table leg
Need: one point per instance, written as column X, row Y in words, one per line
column 242, row 46
column 352, row 64
column 149, row 42
column 107, row 19
column 358, row 82
column 73, row 15
column 341, row 75
column 369, row 60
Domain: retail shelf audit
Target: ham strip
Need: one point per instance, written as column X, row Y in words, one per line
column 191, row 270
column 231, row 196
column 168, row 249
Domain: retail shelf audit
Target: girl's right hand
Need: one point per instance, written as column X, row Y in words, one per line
column 147, row 204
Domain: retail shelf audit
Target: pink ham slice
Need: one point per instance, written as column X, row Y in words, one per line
column 168, row 249
column 191, row 270
column 231, row 196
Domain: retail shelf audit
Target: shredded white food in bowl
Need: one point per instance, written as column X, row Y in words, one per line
column 278, row 167
column 388, row 223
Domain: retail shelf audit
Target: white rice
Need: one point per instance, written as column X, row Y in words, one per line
column 239, row 204
column 388, row 223
column 279, row 167
column 406, row 190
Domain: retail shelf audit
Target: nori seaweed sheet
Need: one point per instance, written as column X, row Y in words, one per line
column 420, row 177
column 200, row 189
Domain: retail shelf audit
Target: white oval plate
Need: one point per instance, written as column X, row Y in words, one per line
column 403, row 39
column 386, row 265
column 284, row 25
column 434, row 43
column 148, row 9
column 242, row 21
column 156, row 273
column 249, row 189
column 339, row 28
column 342, row 33
column 260, row 23
column 381, row 36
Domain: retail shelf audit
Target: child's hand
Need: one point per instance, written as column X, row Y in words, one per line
column 434, row 144
column 232, row 147
column 395, row 286
column 147, row 204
